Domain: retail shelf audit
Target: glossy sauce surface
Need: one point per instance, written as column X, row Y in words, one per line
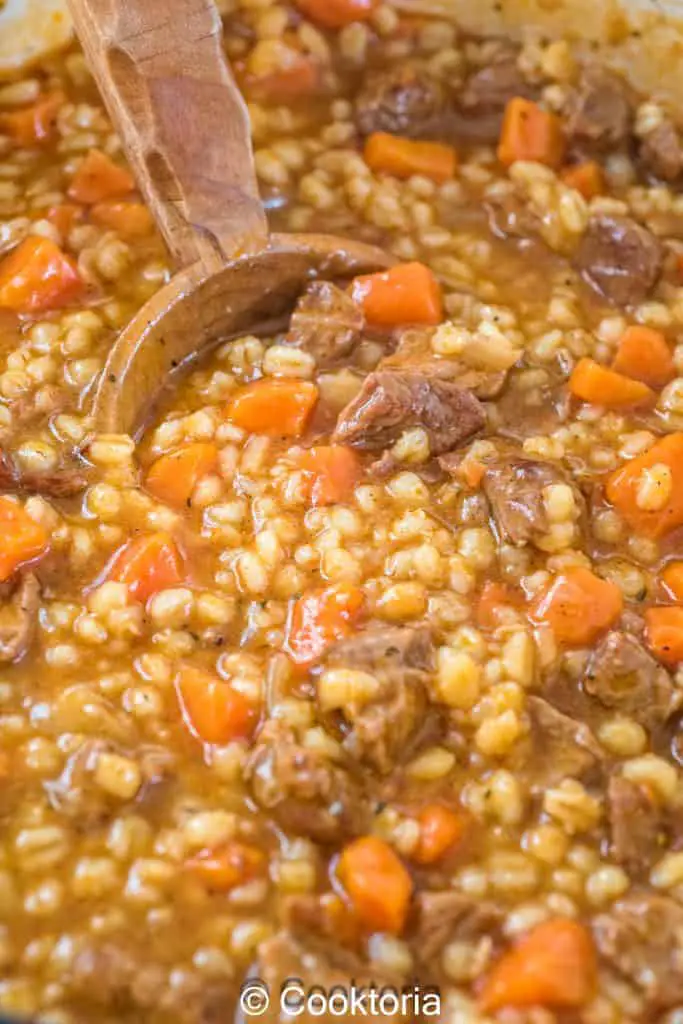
column 364, row 662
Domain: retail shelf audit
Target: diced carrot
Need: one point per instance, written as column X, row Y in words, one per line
column 553, row 965
column 334, row 471
column 320, row 618
column 530, row 133
column 99, row 178
column 336, row 13
column 664, row 633
column 587, row 178
column 212, row 709
column 301, row 78
column 407, row 294
column 672, row 578
column 594, row 383
column 278, row 407
column 441, row 829
column 22, row 539
column 644, row 354
column 36, row 125
column 377, row 884
column 64, row 216
column 229, row 866
column 147, row 564
column 578, row 605
column 493, row 599
column 130, row 220
column 405, row 157
column 471, row 471
column 37, row 276
column 173, row 477
column 623, row 485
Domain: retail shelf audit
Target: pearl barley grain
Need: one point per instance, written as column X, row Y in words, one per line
column 118, row 776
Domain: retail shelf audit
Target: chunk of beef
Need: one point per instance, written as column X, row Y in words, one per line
column 451, row 464
column 7, row 472
column 641, row 938
column 599, row 111
column 64, row 482
column 637, row 824
column 402, row 100
column 158, row 769
column 622, row 675
column 326, row 322
column 661, row 151
column 305, row 792
column 388, row 649
column 470, row 508
column 387, row 465
column 488, row 90
column 76, row 795
column 481, row 383
column 308, row 949
column 414, row 352
column 313, row 916
column 448, row 916
column 620, row 259
column 510, row 216
column 380, row 731
column 391, row 401
column 558, row 746
column 19, row 617
column 515, row 489
column 31, row 406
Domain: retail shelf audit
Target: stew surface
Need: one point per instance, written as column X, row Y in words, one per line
column 363, row 666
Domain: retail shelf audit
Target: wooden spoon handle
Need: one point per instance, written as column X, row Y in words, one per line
column 163, row 75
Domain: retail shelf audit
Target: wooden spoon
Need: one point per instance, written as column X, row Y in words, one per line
column 162, row 72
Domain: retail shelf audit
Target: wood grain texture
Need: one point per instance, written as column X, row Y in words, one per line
column 253, row 293
column 163, row 75
column 184, row 126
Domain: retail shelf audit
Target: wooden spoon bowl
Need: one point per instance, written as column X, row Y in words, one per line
column 162, row 72
column 183, row 321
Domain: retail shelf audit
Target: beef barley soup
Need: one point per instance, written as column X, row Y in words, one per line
column 365, row 664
